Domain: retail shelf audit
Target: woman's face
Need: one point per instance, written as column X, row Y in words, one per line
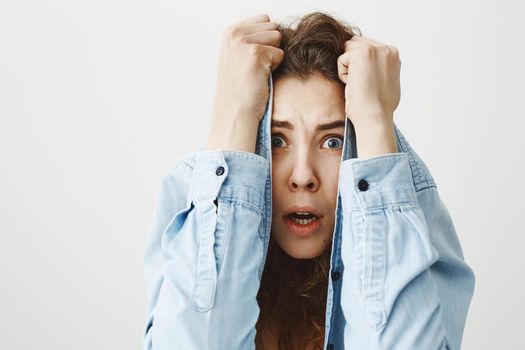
column 307, row 142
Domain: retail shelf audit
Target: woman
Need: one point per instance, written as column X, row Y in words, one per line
column 293, row 228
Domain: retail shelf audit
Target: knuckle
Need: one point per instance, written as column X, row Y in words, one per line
column 341, row 59
column 277, row 34
column 394, row 50
column 243, row 39
column 255, row 50
column 393, row 53
column 368, row 51
column 235, row 32
column 228, row 33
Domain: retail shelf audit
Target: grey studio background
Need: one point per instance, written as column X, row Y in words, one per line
column 99, row 98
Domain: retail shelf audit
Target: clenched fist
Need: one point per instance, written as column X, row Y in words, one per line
column 249, row 53
column 371, row 72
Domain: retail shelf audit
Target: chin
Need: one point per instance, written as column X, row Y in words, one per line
column 302, row 255
column 298, row 251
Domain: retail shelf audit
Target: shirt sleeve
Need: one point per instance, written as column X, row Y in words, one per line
column 405, row 284
column 204, row 253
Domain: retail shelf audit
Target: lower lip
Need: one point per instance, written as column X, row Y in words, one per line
column 303, row 230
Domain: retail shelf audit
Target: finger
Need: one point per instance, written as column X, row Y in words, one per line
column 342, row 67
column 360, row 41
column 257, row 27
column 270, row 38
column 358, row 38
column 350, row 44
column 276, row 56
column 254, row 19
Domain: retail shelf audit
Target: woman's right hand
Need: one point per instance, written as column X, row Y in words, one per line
column 249, row 53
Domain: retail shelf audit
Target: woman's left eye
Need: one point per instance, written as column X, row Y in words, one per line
column 275, row 141
column 336, row 144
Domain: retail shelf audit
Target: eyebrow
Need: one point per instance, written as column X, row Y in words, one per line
column 328, row 126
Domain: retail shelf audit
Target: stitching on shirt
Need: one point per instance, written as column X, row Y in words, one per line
column 420, row 173
column 184, row 161
column 382, row 207
column 227, row 239
column 248, row 205
column 196, row 288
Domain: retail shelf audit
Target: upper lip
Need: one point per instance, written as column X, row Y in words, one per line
column 304, row 209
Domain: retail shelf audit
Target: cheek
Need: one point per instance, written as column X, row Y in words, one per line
column 331, row 178
column 331, row 183
column 276, row 201
column 279, row 183
column 277, row 170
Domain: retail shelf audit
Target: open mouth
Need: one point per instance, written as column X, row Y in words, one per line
column 302, row 219
column 302, row 224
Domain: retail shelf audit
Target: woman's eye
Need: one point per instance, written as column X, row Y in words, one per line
column 277, row 141
column 334, row 142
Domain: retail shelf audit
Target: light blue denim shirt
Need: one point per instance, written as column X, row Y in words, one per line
column 398, row 278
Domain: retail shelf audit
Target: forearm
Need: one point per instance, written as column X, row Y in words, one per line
column 205, row 253
column 387, row 251
column 396, row 228
column 233, row 134
column 375, row 139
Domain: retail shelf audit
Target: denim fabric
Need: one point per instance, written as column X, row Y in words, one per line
column 398, row 276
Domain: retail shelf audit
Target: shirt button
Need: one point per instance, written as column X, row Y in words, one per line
column 363, row 185
column 219, row 171
column 330, row 346
column 335, row 275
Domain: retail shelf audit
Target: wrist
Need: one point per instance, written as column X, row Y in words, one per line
column 233, row 134
column 375, row 139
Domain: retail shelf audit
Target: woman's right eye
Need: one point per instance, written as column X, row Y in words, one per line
column 277, row 141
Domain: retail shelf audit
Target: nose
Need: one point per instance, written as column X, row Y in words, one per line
column 303, row 175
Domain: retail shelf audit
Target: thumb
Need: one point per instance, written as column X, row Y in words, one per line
column 276, row 57
column 342, row 67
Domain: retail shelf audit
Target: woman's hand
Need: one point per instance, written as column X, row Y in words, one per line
column 249, row 53
column 371, row 72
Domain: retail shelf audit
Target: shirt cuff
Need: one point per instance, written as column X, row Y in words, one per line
column 377, row 182
column 236, row 175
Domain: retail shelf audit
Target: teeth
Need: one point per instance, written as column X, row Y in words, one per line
column 303, row 221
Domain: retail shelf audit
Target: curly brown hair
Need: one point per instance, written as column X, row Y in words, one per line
column 293, row 292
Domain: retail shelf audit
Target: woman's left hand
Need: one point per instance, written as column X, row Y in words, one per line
column 371, row 72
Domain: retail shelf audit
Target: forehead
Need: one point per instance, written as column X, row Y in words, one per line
column 308, row 102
